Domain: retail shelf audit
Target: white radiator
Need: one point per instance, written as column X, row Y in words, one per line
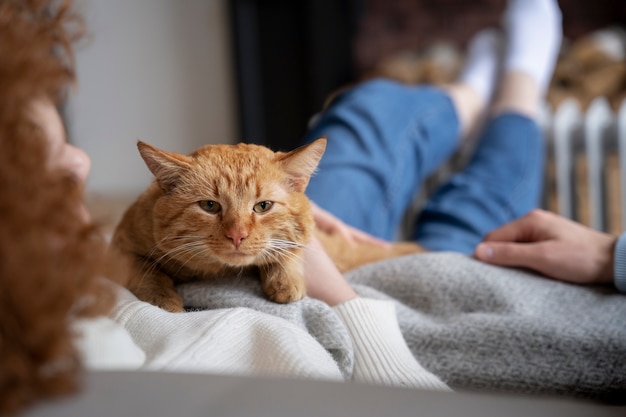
column 586, row 173
column 586, row 166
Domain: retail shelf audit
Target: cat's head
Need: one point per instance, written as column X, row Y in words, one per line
column 234, row 204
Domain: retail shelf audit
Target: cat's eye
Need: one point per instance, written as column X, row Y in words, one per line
column 210, row 206
column 262, row 207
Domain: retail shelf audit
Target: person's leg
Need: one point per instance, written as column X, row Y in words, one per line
column 501, row 182
column 504, row 178
column 384, row 138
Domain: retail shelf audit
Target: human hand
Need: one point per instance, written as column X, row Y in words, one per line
column 323, row 279
column 552, row 245
column 330, row 224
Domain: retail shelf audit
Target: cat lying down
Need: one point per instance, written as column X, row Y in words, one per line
column 225, row 209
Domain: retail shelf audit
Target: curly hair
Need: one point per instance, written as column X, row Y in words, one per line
column 50, row 257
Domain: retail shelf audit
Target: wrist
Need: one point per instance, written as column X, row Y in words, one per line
column 340, row 296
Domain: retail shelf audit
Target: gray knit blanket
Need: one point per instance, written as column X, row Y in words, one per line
column 478, row 327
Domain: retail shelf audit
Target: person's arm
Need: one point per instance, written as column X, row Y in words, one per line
column 381, row 353
column 558, row 248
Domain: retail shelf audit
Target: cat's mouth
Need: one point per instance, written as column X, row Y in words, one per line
column 237, row 258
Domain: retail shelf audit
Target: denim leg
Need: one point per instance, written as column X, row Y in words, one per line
column 502, row 182
column 383, row 139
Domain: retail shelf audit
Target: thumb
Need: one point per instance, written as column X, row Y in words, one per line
column 510, row 254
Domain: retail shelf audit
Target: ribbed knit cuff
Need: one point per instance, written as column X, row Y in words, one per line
column 620, row 263
column 381, row 353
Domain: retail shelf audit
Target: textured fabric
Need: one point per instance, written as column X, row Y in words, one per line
column 482, row 327
column 475, row 326
column 236, row 341
column 313, row 316
column 359, row 333
column 620, row 263
column 381, row 355
column 250, row 342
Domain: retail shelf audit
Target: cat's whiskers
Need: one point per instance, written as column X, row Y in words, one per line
column 166, row 256
column 277, row 259
column 157, row 245
column 149, row 265
column 285, row 243
column 170, row 238
column 185, row 253
column 278, row 249
column 239, row 274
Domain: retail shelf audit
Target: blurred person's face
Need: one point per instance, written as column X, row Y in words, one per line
column 61, row 155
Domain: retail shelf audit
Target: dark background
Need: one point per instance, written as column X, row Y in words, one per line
column 290, row 54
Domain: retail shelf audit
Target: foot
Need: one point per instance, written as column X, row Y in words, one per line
column 471, row 93
column 534, row 33
column 482, row 62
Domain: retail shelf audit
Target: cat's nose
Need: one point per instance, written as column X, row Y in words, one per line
column 236, row 236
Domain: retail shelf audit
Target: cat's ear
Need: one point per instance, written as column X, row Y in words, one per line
column 165, row 166
column 300, row 164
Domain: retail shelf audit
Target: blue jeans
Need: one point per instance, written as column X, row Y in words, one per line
column 385, row 138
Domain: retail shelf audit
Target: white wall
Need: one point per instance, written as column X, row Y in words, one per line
column 155, row 70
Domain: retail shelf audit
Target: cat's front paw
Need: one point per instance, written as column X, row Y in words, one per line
column 170, row 301
column 157, row 289
column 287, row 295
column 283, row 290
column 172, row 305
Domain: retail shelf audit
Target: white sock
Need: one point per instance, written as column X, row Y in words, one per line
column 534, row 33
column 481, row 63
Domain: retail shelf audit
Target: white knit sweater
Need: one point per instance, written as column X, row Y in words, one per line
column 242, row 341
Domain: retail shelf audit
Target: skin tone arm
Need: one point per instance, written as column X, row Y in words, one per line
column 323, row 279
column 552, row 245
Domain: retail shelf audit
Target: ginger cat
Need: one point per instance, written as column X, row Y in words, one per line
column 225, row 209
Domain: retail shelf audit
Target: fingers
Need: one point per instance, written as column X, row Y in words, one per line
column 344, row 231
column 535, row 226
column 543, row 257
column 552, row 245
column 526, row 255
column 327, row 222
column 520, row 243
column 515, row 231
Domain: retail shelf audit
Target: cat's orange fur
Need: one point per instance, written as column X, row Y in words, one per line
column 225, row 209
